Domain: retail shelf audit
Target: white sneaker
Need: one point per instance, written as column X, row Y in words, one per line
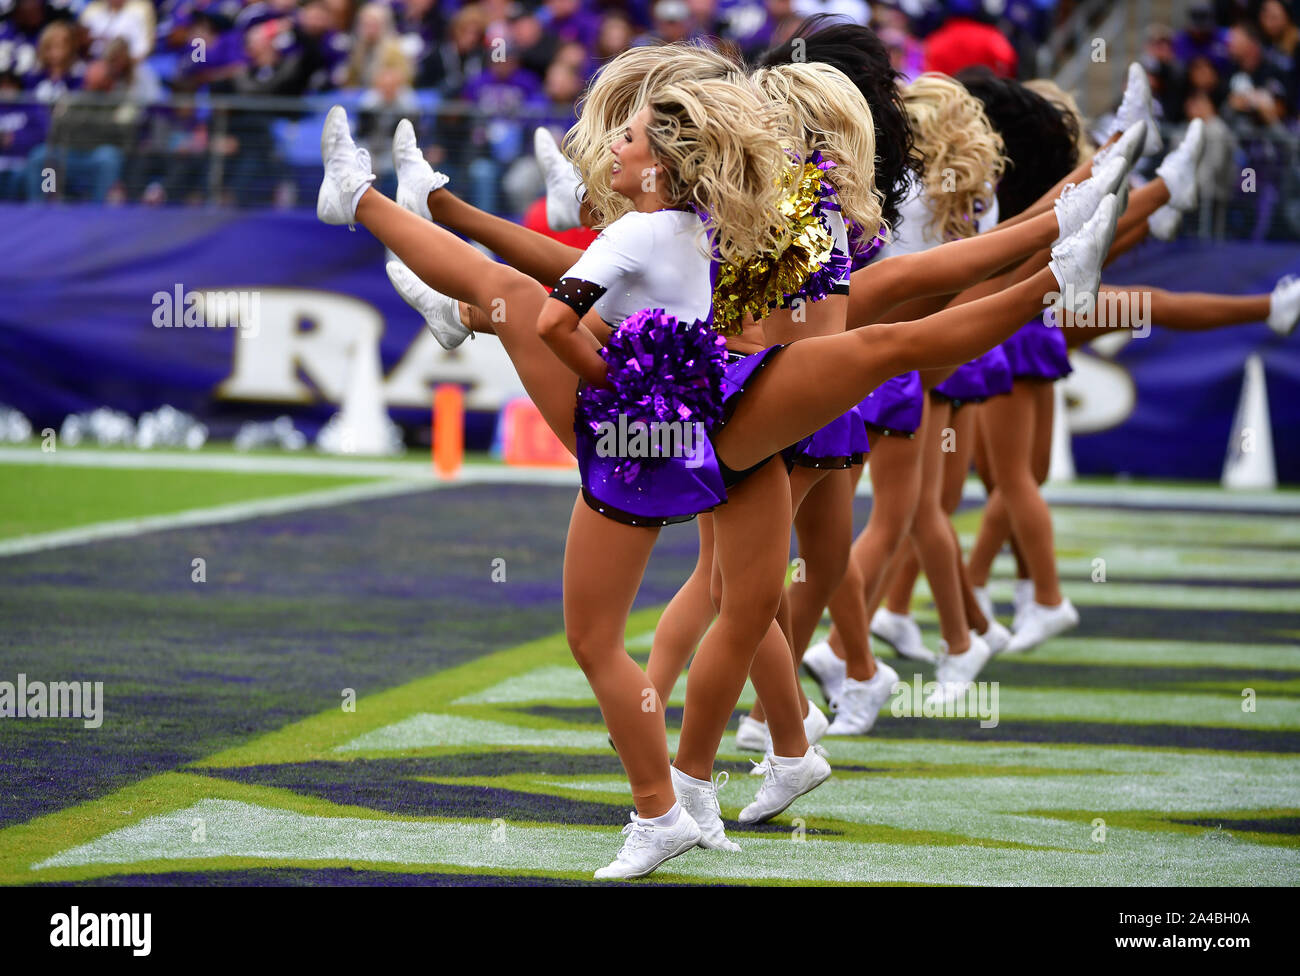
column 1164, row 223
column 785, row 782
column 347, row 171
column 902, row 633
column 699, row 798
column 440, row 312
column 648, row 846
column 984, row 600
column 1076, row 261
column 996, row 637
column 1127, row 147
column 752, row 736
column 1138, row 106
column 815, row 724
column 859, row 702
column 1284, row 306
column 416, row 179
column 1178, row 169
column 1021, row 597
column 1041, row 623
column 564, row 190
column 1078, row 202
column 826, row 669
column 956, row 672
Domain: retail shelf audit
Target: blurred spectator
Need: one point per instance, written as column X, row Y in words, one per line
column 1282, row 43
column 22, row 128
column 1167, row 75
column 1259, row 92
column 906, row 53
column 1202, row 38
column 135, row 81
column 616, row 36
column 858, row 11
column 460, row 55
column 370, row 38
column 566, row 20
column 965, row 41
column 90, row 132
column 389, row 99
column 19, row 33
column 130, row 20
column 672, row 21
column 1204, row 79
column 501, row 93
column 58, row 69
column 756, row 28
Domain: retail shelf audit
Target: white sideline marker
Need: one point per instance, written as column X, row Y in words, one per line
column 1249, row 465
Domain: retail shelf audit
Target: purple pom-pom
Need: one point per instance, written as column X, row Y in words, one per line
column 660, row 371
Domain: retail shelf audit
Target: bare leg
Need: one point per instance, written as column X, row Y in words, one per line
column 536, row 255
column 685, row 620
column 824, row 526
column 1179, row 311
column 1007, row 425
column 895, row 469
column 752, row 565
column 932, row 536
column 778, row 411
column 603, row 565
column 451, row 266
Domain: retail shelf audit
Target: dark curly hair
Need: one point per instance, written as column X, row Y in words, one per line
column 860, row 54
column 1041, row 140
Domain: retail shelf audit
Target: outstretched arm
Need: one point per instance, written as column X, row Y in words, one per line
column 540, row 257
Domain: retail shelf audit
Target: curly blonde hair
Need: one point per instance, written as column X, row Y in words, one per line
column 616, row 94
column 723, row 153
column 1067, row 105
column 826, row 113
column 963, row 155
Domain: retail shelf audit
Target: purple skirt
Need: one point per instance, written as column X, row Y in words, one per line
column 974, row 382
column 1037, row 351
column 895, row 406
column 670, row 489
column 840, row 444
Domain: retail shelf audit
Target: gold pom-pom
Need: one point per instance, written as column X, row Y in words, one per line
column 765, row 284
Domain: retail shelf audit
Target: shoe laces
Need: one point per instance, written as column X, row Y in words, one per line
column 637, row 834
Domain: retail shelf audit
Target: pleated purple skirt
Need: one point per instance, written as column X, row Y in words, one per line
column 1037, row 351
column 895, row 406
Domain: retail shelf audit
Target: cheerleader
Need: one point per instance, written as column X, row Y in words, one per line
column 954, row 200
column 713, row 147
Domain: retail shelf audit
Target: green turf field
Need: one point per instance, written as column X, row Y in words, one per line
column 1159, row 744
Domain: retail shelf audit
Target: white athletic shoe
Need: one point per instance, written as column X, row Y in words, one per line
column 416, row 179
column 1021, row 598
column 1041, row 623
column 827, row 669
column 956, row 672
column 815, row 724
column 648, row 846
column 984, row 600
column 859, row 702
column 902, row 633
column 347, row 171
column 1077, row 260
column 1178, row 169
column 785, row 782
column 563, row 184
column 1078, row 202
column 997, row 637
column 1164, row 223
column 699, row 798
column 440, row 313
column 1284, row 306
column 1138, row 106
column 752, row 736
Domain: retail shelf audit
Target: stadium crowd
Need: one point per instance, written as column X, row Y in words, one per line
column 112, row 95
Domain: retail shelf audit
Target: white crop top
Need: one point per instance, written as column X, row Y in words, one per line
column 916, row 234
column 643, row 260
